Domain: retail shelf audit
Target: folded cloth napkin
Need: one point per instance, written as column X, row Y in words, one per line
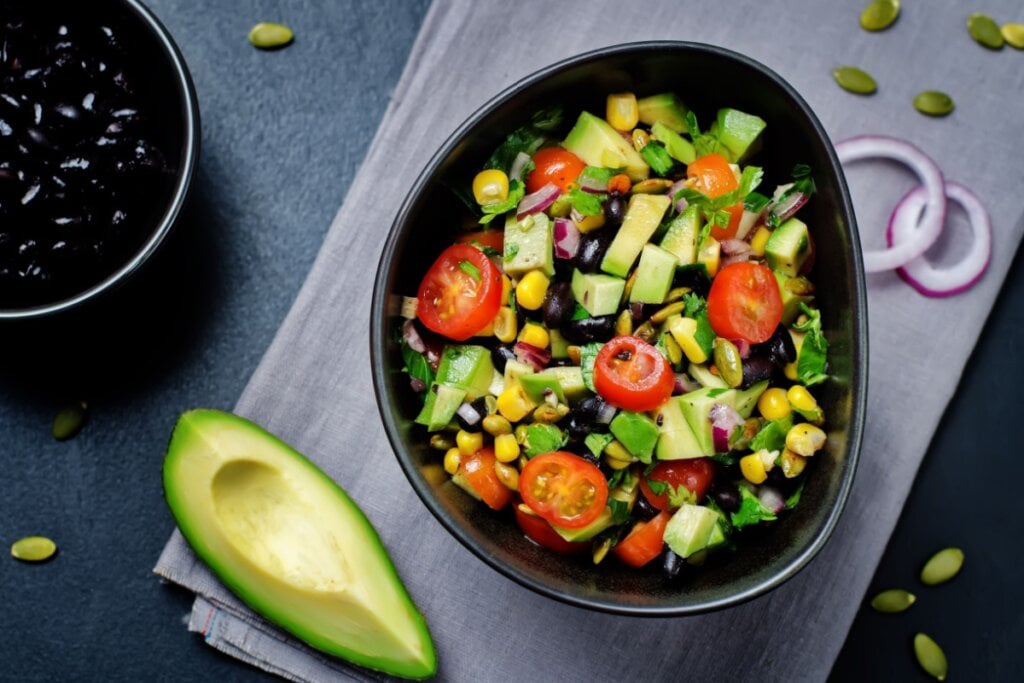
column 313, row 385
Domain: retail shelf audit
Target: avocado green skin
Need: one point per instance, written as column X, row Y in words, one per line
column 191, row 443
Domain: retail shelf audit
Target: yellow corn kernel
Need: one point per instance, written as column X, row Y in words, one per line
column 506, row 290
column 531, row 290
column 514, row 404
column 805, row 439
column 759, row 240
column 534, row 335
column 773, row 404
column 800, row 398
column 452, row 460
column 752, row 467
column 792, row 464
column 507, row 475
column 710, row 254
column 589, row 223
column 640, row 138
column 622, row 111
column 616, row 463
column 506, row 448
column 574, row 353
column 496, row 425
column 789, row 370
column 469, row 442
column 684, row 331
column 504, row 326
column 490, row 187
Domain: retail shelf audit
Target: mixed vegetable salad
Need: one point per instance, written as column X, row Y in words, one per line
column 624, row 348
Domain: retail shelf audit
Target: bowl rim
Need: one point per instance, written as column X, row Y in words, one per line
column 858, row 376
column 183, row 182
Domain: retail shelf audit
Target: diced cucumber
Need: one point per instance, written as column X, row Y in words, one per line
column 529, row 245
column 788, row 247
column 681, row 236
column 643, row 215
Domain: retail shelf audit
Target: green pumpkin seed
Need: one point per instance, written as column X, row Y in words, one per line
column 942, row 566
column 930, row 656
column 728, row 362
column 985, row 31
column 933, row 103
column 33, row 549
column 1013, row 34
column 879, row 15
column 892, row 601
column 855, row 80
column 70, row 420
column 267, row 35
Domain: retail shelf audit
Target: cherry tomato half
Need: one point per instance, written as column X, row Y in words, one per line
column 554, row 165
column 644, row 541
column 695, row 474
column 631, row 374
column 744, row 302
column 479, row 472
column 460, row 294
column 541, row 533
column 714, row 177
column 495, row 239
column 564, row 489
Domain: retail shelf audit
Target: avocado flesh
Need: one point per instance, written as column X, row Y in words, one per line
column 290, row 543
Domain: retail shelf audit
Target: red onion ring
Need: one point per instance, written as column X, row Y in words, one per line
column 537, row 201
column 566, row 237
column 919, row 272
column 931, row 222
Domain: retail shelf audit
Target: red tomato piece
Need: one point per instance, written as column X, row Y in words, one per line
column 479, row 472
column 541, row 533
column 695, row 474
column 495, row 239
column 744, row 302
column 644, row 541
column 460, row 294
column 631, row 374
column 729, row 232
column 554, row 165
column 564, row 489
column 714, row 176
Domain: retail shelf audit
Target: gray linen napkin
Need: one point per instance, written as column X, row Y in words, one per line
column 313, row 386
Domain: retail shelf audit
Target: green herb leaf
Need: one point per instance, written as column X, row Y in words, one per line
column 657, row 157
column 526, row 139
column 618, row 476
column 704, row 334
column 772, row 435
column 596, row 442
column 416, row 365
column 750, row 179
column 755, row 202
column 586, row 203
column 620, row 511
column 516, row 191
column 597, row 175
column 812, row 362
column 680, row 495
column 469, row 269
column 751, row 511
column 511, row 250
column 588, row 354
column 794, row 498
column 657, row 487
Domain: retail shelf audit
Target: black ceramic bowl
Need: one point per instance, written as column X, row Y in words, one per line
column 100, row 140
column 707, row 78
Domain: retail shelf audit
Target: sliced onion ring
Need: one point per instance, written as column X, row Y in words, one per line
column 930, row 225
column 919, row 272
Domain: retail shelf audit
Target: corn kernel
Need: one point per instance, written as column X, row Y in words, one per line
column 496, row 425
column 469, row 442
column 441, row 442
column 590, row 223
column 575, row 353
column 505, row 325
column 452, row 460
column 773, row 404
column 710, row 254
column 617, row 455
column 792, row 464
column 622, row 111
column 752, row 467
column 506, row 290
column 789, row 370
column 534, row 335
column 759, row 240
column 640, row 138
column 531, row 290
column 506, row 448
column 490, row 187
column 684, row 331
column 514, row 404
column 800, row 398
column 507, row 475
column 805, row 439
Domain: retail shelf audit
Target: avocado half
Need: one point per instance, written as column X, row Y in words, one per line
column 290, row 543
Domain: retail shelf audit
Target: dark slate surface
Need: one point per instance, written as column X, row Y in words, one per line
column 283, row 134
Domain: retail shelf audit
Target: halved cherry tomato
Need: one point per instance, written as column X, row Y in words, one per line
column 695, row 474
column 744, row 302
column 495, row 239
column 554, row 165
column 644, row 541
column 631, row 374
column 460, row 294
column 564, row 489
column 479, row 472
column 714, row 177
column 541, row 533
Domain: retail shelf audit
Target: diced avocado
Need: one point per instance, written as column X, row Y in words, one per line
column 515, row 370
column 600, row 294
column 654, row 275
column 746, row 399
column 637, row 432
column 594, row 141
column 788, row 247
column 681, row 236
column 585, row 533
column 664, row 108
column 291, row 544
column 529, row 245
column 570, row 379
column 559, row 344
column 466, row 367
column 719, row 534
column 702, row 373
column 690, row 529
column 676, row 440
column 439, row 407
column 643, row 215
column 678, row 147
column 537, row 386
column 696, row 406
column 740, row 133
column 791, row 288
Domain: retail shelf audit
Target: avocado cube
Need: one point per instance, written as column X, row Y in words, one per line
column 467, row 367
column 678, row 147
column 788, row 247
column 696, row 407
column 439, row 407
column 637, row 432
column 529, row 245
column 653, row 275
column 794, row 291
column 643, row 216
column 594, row 141
column 598, row 293
column 676, row 441
column 690, row 529
column 665, row 109
column 538, row 385
column 570, row 380
column 739, row 133
column 585, row 533
column 681, row 236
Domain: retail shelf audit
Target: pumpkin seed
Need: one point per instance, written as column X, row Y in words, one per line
column 985, row 31
column 33, row 549
column 70, row 420
column 942, row 566
column 267, row 35
column 933, row 103
column 624, row 323
column 1013, row 34
column 892, row 601
column 879, row 15
column 855, row 80
column 930, row 656
column 728, row 362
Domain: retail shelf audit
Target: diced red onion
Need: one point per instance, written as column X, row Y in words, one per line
column 531, row 355
column 919, row 272
column 930, row 224
column 592, row 184
column 418, row 385
column 743, row 346
column 537, row 201
column 515, row 172
column 412, row 337
column 771, row 498
column 605, row 414
column 735, row 251
column 468, row 413
column 684, row 384
column 724, row 421
column 567, row 238
column 681, row 203
column 784, row 206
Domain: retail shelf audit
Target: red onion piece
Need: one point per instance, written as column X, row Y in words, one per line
column 735, row 251
column 515, row 172
column 724, row 421
column 919, row 272
column 592, row 184
column 537, row 201
column 605, row 413
column 743, row 346
column 771, row 498
column 785, row 206
column 531, row 355
column 412, row 337
column 418, row 385
column 567, row 238
column 930, row 225
column 468, row 413
column 681, row 203
column 684, row 384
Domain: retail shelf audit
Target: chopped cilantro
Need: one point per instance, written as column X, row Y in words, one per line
column 588, row 354
column 596, row 442
column 586, row 203
column 511, row 250
column 526, row 139
column 579, row 313
column 751, row 511
column 680, row 495
column 416, row 365
column 596, row 175
column 755, row 202
column 620, row 511
column 750, row 179
column 657, row 487
column 772, row 435
column 812, row 361
column 618, row 476
column 794, row 498
column 516, row 190
column 704, row 334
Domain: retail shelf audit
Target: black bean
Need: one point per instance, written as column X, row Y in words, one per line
column 672, row 565
column 586, row 330
column 500, row 355
column 614, row 210
column 578, row 427
column 726, row 495
column 558, row 305
column 593, row 246
column 779, row 348
column 643, row 509
column 756, row 368
column 695, row 277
